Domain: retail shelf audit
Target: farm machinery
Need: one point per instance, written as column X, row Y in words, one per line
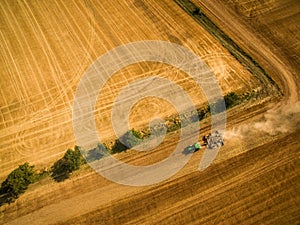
column 193, row 148
column 211, row 141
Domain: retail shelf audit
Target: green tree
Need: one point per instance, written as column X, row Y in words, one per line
column 216, row 107
column 71, row 161
column 97, row 153
column 130, row 139
column 196, row 11
column 17, row 182
column 231, row 99
column 118, row 147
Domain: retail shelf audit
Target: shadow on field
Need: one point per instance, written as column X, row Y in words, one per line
column 6, row 198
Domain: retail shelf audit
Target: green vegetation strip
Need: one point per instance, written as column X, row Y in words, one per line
column 245, row 59
column 19, row 179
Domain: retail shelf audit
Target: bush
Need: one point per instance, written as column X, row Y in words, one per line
column 196, row 11
column 202, row 113
column 118, row 147
column 231, row 99
column 216, row 107
column 71, row 161
column 130, row 139
column 157, row 130
column 97, row 153
column 17, row 182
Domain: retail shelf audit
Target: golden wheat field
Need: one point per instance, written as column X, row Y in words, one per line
column 46, row 47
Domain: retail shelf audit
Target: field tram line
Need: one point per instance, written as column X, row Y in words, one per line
column 51, row 59
column 237, row 52
column 18, row 71
column 51, row 53
column 160, row 14
column 87, row 58
column 20, row 97
column 53, row 102
column 32, row 56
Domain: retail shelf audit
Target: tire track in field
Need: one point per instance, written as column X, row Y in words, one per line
column 35, row 27
column 161, row 12
column 59, row 97
column 33, row 59
column 22, row 134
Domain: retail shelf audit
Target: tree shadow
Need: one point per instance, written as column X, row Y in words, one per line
column 60, row 170
column 6, row 199
column 59, row 177
column 188, row 150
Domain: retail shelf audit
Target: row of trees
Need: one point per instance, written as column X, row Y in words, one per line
column 18, row 180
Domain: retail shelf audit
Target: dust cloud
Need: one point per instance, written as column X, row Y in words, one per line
column 274, row 122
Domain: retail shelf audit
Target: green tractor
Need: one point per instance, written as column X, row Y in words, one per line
column 193, row 148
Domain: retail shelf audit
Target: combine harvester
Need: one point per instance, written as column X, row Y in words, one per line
column 213, row 140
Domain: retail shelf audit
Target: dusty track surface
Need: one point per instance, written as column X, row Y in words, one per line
column 254, row 179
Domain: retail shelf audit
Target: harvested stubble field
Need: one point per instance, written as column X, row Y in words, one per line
column 46, row 46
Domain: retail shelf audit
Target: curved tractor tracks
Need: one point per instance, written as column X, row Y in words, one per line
column 72, row 203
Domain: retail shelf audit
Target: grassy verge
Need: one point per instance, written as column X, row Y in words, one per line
column 237, row 52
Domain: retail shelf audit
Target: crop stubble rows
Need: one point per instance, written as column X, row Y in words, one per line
column 251, row 191
column 47, row 46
